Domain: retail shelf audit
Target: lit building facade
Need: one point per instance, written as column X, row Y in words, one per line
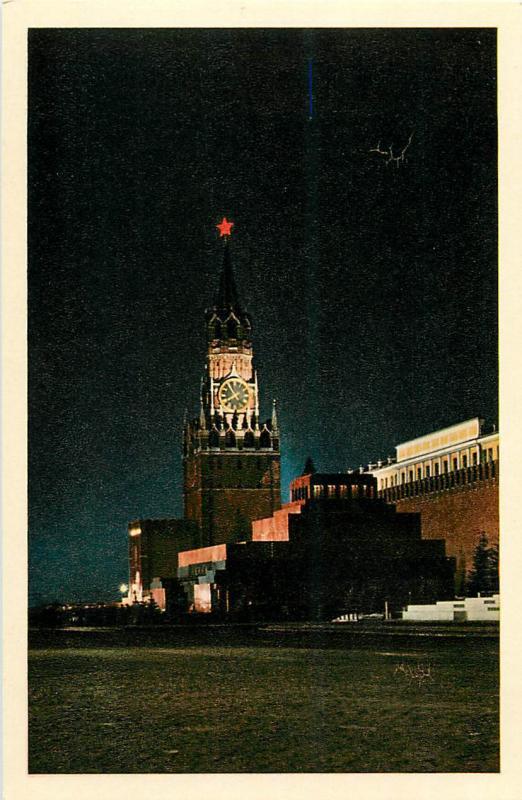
column 445, row 451
column 450, row 477
column 153, row 553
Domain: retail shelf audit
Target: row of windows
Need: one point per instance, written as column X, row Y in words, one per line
column 343, row 491
column 200, row 569
column 446, row 480
column 333, row 491
column 448, row 464
column 218, row 464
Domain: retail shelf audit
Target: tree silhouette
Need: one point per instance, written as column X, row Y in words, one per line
column 494, row 568
column 484, row 574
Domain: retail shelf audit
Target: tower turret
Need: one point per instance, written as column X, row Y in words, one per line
column 229, row 328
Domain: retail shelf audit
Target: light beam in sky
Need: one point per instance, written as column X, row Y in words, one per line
column 310, row 89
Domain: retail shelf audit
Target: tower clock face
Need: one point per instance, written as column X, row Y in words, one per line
column 233, row 395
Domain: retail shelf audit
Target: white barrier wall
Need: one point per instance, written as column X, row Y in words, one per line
column 469, row 609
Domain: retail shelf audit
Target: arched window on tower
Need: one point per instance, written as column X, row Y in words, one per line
column 264, row 439
column 230, row 439
column 232, row 328
column 213, row 439
column 248, row 441
column 217, row 329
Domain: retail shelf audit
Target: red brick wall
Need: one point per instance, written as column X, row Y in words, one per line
column 228, row 513
column 224, row 492
column 458, row 515
column 193, row 509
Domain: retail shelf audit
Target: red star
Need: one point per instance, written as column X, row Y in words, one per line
column 224, row 227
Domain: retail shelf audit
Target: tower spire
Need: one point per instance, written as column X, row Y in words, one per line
column 227, row 296
column 226, row 319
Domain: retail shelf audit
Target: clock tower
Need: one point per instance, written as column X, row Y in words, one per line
column 231, row 457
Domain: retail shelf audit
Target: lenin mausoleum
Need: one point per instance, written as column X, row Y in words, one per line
column 384, row 536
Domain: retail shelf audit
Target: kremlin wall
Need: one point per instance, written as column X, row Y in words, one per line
column 450, row 477
column 394, row 534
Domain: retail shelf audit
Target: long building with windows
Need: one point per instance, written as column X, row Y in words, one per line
column 450, row 476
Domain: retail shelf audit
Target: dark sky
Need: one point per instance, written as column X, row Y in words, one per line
column 373, row 288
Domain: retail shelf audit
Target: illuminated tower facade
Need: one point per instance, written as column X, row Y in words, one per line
column 231, row 457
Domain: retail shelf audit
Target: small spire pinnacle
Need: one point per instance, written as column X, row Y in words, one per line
column 274, row 416
column 185, row 435
column 202, row 419
column 256, row 403
column 309, row 467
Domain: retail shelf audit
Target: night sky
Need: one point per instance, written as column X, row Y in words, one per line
column 372, row 286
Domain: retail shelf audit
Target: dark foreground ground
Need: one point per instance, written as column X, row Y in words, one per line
column 376, row 698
